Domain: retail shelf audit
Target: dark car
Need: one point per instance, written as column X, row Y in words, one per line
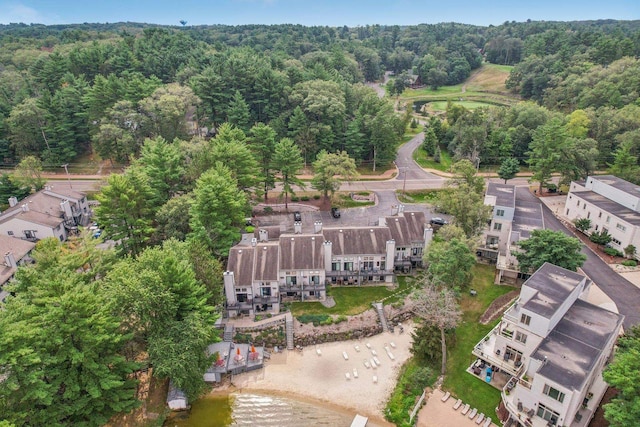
column 297, row 216
column 438, row 221
column 335, row 212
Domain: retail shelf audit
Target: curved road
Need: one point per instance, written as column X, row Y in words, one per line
column 624, row 294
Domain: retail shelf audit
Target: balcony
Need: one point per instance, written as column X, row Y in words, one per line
column 487, row 350
column 290, row 287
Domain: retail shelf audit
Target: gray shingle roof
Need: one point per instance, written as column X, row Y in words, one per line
column 356, row 241
column 266, row 258
column 607, row 205
column 505, row 194
column 406, row 228
column 241, row 264
column 301, row 252
column 553, row 285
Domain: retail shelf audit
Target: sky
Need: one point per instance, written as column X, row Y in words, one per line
column 313, row 12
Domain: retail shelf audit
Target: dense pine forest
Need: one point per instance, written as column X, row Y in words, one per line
column 203, row 119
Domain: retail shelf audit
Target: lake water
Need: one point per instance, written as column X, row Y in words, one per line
column 255, row 409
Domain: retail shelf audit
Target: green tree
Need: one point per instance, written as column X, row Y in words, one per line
column 114, row 143
column 208, row 270
column 330, row 170
column 161, row 162
column 28, row 173
column 8, row 188
column 437, row 306
column 601, row 237
column 450, row 263
column 287, row 161
column 550, row 246
column 26, row 124
column 629, row 251
column 430, row 141
column 61, row 357
column 546, row 149
column 623, row 375
column 167, row 110
column 263, row 144
column 125, row 211
column 238, row 113
column 172, row 219
column 582, row 224
column 467, row 208
column 508, row 169
column 218, row 210
column 465, row 174
column 230, row 148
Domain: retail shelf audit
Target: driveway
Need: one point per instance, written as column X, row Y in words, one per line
column 623, row 293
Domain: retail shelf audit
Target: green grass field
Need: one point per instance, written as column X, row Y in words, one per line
column 425, row 161
column 436, row 106
column 461, row 384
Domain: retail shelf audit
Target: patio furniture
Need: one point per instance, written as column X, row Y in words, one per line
column 480, row 418
column 347, row 376
column 367, row 364
column 465, row 409
column 473, row 413
column 375, row 379
column 487, row 422
column 355, row 373
column 456, row 405
column 345, row 355
column 446, row 397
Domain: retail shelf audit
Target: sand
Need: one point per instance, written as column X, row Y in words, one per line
column 437, row 413
column 322, row 377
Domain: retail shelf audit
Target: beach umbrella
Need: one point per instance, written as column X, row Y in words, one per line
column 238, row 351
column 253, row 349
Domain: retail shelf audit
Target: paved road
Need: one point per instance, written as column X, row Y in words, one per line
column 624, row 294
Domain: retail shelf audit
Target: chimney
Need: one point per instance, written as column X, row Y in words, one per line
column 229, row 287
column 297, row 227
column 254, row 241
column 427, row 237
column 263, row 235
column 66, row 209
column 317, row 227
column 13, row 201
column 328, row 253
column 394, row 210
column 25, row 208
column 10, row 260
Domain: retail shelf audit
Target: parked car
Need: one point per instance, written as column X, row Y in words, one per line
column 438, row 221
column 297, row 216
column 335, row 212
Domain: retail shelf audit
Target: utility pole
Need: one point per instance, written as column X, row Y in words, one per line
column 65, row 166
column 404, row 181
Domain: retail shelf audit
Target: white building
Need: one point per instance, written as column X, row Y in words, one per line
column 553, row 345
column 611, row 204
column 273, row 267
column 47, row 213
column 495, row 238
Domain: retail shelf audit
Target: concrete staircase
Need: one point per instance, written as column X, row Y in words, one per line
column 228, row 333
column 383, row 320
column 288, row 326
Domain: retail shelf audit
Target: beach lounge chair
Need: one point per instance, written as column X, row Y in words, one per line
column 393, row 345
column 375, row 353
column 391, row 356
column 487, row 422
column 355, row 373
column 446, row 397
column 375, row 379
column 465, row 409
column 318, row 352
column 375, row 359
column 456, row 405
column 367, row 364
column 347, row 376
column 480, row 418
column 368, row 345
column 357, row 347
column 345, row 355
column 373, row 364
column 473, row 413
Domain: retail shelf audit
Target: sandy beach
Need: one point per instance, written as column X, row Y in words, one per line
column 322, row 376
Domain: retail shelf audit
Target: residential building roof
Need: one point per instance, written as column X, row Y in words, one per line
column 607, row 205
column 553, row 285
column 573, row 347
column 618, row 183
column 505, row 194
column 301, row 252
column 35, row 217
column 354, row 241
column 526, row 218
column 266, row 267
column 19, row 248
column 241, row 264
column 406, row 228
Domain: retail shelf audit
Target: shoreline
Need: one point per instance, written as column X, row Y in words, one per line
column 320, row 379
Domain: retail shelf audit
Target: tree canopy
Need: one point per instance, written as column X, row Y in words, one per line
column 550, row 246
column 624, row 375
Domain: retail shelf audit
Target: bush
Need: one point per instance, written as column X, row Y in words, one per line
column 268, row 209
column 613, row 252
column 295, row 198
column 630, row 263
column 316, row 319
column 249, row 229
column 304, row 198
column 316, row 197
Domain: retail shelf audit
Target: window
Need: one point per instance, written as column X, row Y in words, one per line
column 621, row 227
column 10, row 233
column 553, row 393
column 497, row 226
column 547, row 414
column 292, row 280
column 30, row 234
column 596, row 227
column 600, row 215
column 348, row 266
column 520, row 337
column 608, row 218
column 526, row 319
column 335, row 266
column 588, row 215
column 578, row 203
column 315, row 280
column 567, row 211
column 499, row 212
column 265, row 292
column 616, row 241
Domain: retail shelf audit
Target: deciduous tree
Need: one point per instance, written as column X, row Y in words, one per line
column 28, row 173
column 550, row 246
column 624, row 375
column 330, row 170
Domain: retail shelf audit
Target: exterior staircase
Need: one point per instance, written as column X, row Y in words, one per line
column 228, row 333
column 383, row 320
column 288, row 324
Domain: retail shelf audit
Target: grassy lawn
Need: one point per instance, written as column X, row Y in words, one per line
column 426, row 161
column 418, row 196
column 469, row 105
column 461, row 384
column 425, row 91
column 352, row 300
column 344, row 200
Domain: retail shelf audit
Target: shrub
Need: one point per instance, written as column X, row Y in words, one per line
column 316, row 197
column 295, row 198
column 612, row 252
column 268, row 209
column 304, row 198
column 630, row 263
column 249, row 228
column 600, row 237
column 340, row 319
